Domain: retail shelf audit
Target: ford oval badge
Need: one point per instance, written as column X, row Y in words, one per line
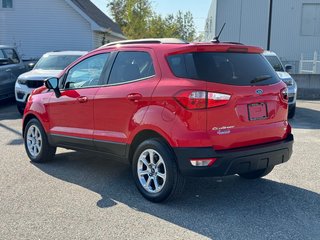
column 259, row 91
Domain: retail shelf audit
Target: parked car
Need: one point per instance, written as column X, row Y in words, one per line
column 50, row 65
column 169, row 108
column 11, row 66
column 282, row 72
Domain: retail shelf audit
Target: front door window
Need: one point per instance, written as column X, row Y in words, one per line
column 87, row 73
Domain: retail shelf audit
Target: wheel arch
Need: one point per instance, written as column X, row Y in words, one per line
column 27, row 119
column 141, row 137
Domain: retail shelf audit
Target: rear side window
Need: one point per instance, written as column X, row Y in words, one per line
column 275, row 63
column 11, row 55
column 130, row 66
column 227, row 68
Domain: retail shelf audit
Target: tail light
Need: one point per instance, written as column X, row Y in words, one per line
column 284, row 94
column 202, row 99
column 217, row 99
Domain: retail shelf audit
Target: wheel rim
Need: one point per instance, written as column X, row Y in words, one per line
column 151, row 171
column 34, row 140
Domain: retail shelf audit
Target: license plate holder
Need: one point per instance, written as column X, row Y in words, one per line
column 257, row 111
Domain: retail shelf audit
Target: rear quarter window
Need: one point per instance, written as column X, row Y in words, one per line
column 12, row 55
column 226, row 68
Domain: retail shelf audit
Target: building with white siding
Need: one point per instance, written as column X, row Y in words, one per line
column 295, row 25
column 38, row 26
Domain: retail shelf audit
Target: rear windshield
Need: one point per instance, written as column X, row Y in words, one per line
column 227, row 68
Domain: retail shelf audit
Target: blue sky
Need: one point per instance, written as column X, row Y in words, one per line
column 198, row 8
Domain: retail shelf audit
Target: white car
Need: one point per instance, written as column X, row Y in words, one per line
column 283, row 74
column 50, row 64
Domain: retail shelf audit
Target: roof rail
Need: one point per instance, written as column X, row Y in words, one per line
column 147, row 41
column 239, row 43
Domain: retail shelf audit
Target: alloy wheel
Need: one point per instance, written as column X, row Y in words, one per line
column 34, row 140
column 151, row 171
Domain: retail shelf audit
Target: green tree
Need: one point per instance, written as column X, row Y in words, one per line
column 156, row 27
column 186, row 28
column 118, row 11
column 132, row 16
column 138, row 14
column 137, row 20
column 160, row 27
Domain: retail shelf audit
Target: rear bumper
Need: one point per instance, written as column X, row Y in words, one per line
column 234, row 161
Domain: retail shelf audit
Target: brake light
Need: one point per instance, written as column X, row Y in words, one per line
column 202, row 99
column 284, row 94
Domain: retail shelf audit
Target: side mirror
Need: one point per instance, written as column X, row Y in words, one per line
column 288, row 67
column 31, row 65
column 53, row 84
column 4, row 61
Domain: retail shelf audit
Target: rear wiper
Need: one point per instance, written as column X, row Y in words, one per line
column 261, row 78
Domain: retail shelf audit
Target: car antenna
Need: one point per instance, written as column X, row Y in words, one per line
column 216, row 38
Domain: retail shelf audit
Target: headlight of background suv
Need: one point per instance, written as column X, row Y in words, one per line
column 288, row 81
column 22, row 81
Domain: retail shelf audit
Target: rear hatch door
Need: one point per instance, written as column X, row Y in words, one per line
column 256, row 110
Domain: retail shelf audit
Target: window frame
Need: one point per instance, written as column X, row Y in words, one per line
column 65, row 75
column 148, row 51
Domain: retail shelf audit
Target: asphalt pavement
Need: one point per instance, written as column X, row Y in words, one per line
column 86, row 196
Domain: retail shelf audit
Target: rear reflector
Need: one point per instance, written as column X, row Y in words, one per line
column 203, row 162
column 202, row 99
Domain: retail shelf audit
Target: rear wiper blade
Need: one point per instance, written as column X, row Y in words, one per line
column 261, row 78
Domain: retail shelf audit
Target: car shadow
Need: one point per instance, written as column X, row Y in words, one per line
column 18, row 140
column 306, row 118
column 8, row 110
column 219, row 208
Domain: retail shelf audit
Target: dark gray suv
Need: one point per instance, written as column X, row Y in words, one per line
column 11, row 66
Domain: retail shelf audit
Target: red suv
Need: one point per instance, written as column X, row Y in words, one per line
column 169, row 108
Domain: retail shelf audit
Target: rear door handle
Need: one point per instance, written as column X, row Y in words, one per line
column 135, row 97
column 8, row 70
column 82, row 99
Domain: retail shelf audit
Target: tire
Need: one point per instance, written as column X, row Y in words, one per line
column 36, row 143
column 256, row 174
column 159, row 179
column 292, row 111
column 20, row 109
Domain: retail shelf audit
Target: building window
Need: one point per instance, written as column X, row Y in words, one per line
column 7, row 4
column 310, row 20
